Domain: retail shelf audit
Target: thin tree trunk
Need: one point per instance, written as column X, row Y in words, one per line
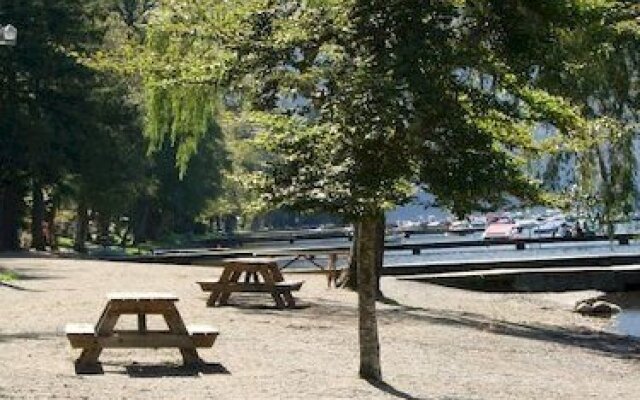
column 103, row 222
column 367, row 322
column 82, row 228
column 609, row 198
column 141, row 221
column 51, row 221
column 37, row 217
column 10, row 212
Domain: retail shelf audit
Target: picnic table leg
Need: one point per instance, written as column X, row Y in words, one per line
column 88, row 360
column 251, row 276
column 142, row 323
column 89, row 357
column 278, row 299
column 224, row 294
column 331, row 269
column 176, row 325
column 271, row 274
column 215, row 293
column 289, row 300
column 108, row 319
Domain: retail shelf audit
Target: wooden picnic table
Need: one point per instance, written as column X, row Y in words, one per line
column 93, row 339
column 251, row 275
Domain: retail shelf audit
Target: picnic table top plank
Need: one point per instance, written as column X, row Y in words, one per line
column 142, row 296
column 251, row 260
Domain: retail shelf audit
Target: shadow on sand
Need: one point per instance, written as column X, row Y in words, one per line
column 7, row 337
column 387, row 388
column 607, row 344
column 156, row 371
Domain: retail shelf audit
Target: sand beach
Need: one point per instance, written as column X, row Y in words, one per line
column 437, row 342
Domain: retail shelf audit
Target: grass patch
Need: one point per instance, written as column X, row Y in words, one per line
column 64, row 241
column 8, row 276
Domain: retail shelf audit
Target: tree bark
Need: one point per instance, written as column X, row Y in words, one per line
column 37, row 217
column 350, row 279
column 103, row 222
column 52, row 239
column 82, row 228
column 379, row 249
column 367, row 293
column 10, row 212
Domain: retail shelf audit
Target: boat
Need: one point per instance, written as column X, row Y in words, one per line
column 550, row 227
column 501, row 230
column 466, row 227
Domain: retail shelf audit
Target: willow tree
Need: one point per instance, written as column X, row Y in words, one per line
column 601, row 75
column 358, row 102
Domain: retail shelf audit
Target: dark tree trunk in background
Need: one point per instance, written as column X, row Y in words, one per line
column 141, row 220
column 50, row 217
column 367, row 294
column 10, row 212
column 82, row 227
column 230, row 224
column 38, row 241
column 103, row 222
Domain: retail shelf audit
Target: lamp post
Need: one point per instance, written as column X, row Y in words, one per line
column 8, row 35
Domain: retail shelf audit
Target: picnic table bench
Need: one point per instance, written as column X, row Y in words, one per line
column 260, row 275
column 93, row 339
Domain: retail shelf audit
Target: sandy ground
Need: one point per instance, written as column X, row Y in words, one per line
column 437, row 343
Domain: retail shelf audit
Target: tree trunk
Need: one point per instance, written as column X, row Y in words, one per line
column 103, row 222
column 350, row 279
column 37, row 217
column 10, row 212
column 140, row 222
column 367, row 323
column 379, row 249
column 52, row 239
column 82, row 228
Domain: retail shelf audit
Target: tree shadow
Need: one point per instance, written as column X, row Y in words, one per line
column 608, row 344
column 604, row 343
column 7, row 337
column 16, row 287
column 387, row 388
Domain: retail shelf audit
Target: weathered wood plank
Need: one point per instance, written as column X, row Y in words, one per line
column 149, row 340
column 79, row 329
column 208, row 286
column 142, row 296
column 250, row 260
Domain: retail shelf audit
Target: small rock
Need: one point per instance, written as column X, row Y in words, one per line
column 598, row 308
column 605, row 308
column 583, row 308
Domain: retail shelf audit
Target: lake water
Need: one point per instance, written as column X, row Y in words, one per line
column 627, row 322
column 487, row 253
